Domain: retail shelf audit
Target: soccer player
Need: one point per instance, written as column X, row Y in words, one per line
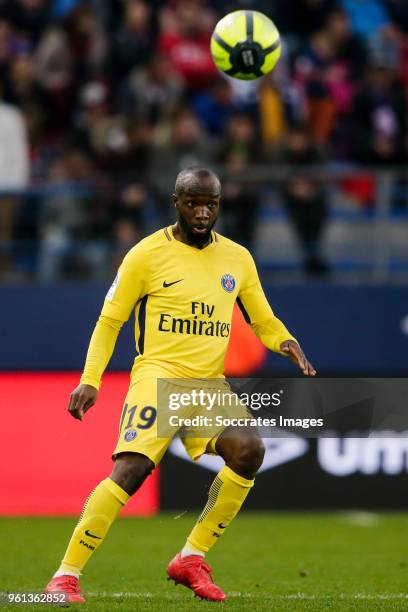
column 182, row 281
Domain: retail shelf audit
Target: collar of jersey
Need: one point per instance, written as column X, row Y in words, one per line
column 192, row 248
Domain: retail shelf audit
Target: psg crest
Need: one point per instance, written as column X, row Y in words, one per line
column 228, row 283
column 130, row 435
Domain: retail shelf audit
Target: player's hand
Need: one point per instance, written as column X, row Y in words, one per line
column 295, row 353
column 81, row 399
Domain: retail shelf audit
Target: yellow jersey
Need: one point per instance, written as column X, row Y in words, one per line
column 183, row 299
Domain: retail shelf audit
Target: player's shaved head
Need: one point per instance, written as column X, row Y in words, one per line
column 196, row 180
column 197, row 201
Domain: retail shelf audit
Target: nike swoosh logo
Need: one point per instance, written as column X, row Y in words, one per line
column 165, row 285
column 91, row 535
column 220, row 525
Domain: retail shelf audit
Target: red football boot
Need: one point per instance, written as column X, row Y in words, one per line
column 194, row 573
column 68, row 585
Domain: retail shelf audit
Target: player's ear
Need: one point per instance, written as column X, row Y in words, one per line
column 174, row 199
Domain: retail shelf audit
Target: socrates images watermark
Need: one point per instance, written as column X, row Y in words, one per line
column 203, row 411
column 308, row 407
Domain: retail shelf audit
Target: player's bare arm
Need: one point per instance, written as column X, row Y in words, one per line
column 81, row 400
column 298, row 357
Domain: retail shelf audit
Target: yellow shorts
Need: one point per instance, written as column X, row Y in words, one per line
column 144, row 425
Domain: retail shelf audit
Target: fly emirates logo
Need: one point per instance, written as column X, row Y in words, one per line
column 201, row 322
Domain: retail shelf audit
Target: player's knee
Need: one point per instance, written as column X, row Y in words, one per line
column 130, row 471
column 249, row 455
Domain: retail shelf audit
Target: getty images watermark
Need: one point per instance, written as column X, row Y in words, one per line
column 307, row 407
column 221, row 405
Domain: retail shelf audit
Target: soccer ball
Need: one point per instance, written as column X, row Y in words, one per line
column 245, row 45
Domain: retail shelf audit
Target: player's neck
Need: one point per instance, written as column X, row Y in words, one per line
column 180, row 235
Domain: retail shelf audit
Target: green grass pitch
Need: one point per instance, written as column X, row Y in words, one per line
column 283, row 562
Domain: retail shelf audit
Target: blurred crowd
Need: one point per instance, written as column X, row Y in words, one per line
column 102, row 102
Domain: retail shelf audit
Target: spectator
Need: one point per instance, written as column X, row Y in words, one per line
column 298, row 17
column 130, row 219
column 8, row 45
column 183, row 143
column 239, row 151
column 343, row 77
column 62, row 8
column 349, row 48
column 398, row 10
column 272, row 114
column 310, row 72
column 185, row 39
column 367, row 17
column 115, row 142
column 94, row 120
column 30, row 17
column 304, row 17
column 22, row 90
column 133, row 43
column 328, row 69
column 379, row 115
column 14, row 175
column 74, row 226
column 54, row 71
column 151, row 93
column 216, row 106
column 87, row 44
column 305, row 198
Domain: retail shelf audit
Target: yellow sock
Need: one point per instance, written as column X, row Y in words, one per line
column 100, row 510
column 227, row 494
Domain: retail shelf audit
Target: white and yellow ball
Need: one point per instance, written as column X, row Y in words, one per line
column 245, row 45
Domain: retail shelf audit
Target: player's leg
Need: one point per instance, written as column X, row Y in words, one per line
column 130, row 471
column 243, row 452
column 137, row 452
column 100, row 510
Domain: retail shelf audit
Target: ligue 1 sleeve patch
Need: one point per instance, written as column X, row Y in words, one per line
column 111, row 292
column 228, row 283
